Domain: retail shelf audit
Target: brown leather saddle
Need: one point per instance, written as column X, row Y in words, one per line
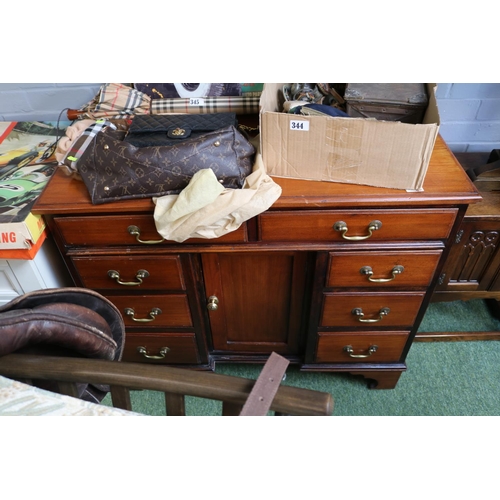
column 65, row 322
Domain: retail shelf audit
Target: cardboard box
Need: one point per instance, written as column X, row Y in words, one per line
column 349, row 150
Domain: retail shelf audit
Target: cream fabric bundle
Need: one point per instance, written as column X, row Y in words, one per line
column 205, row 209
column 72, row 133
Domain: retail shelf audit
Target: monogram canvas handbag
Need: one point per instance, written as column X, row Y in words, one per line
column 113, row 169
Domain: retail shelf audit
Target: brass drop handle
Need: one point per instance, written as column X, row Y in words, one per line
column 367, row 271
column 135, row 231
column 213, row 303
column 162, row 353
column 372, row 349
column 374, row 225
column 152, row 315
column 358, row 312
column 140, row 275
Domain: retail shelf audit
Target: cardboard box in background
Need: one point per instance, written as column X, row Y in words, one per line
column 349, row 150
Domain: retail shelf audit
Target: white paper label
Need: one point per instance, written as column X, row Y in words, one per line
column 299, row 125
column 196, row 101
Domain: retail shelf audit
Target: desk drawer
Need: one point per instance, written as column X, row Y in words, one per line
column 362, row 269
column 366, row 310
column 166, row 311
column 314, row 226
column 178, row 348
column 114, row 230
column 367, row 347
column 127, row 273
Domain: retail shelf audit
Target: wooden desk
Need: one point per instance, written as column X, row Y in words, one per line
column 289, row 280
column 472, row 269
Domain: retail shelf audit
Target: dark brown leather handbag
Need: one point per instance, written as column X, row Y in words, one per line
column 164, row 130
column 113, row 169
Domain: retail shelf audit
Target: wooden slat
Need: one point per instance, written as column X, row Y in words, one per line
column 175, row 405
column 231, row 409
column 293, row 400
column 120, row 396
column 456, row 336
column 68, row 388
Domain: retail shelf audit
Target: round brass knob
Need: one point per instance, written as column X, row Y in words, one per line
column 213, row 303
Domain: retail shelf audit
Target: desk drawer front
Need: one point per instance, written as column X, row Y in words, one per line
column 366, row 310
column 117, row 230
column 166, row 311
column 368, row 347
column 129, row 273
column 314, row 226
column 373, row 269
column 178, row 348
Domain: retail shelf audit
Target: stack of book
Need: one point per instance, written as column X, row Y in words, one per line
column 26, row 164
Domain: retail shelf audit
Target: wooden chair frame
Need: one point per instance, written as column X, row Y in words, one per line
column 239, row 396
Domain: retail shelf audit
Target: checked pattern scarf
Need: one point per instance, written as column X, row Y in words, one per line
column 77, row 149
column 116, row 100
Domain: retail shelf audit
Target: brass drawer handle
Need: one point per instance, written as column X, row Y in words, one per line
column 162, row 353
column 135, row 231
column 342, row 226
column 367, row 271
column 140, row 275
column 350, row 351
column 358, row 312
column 152, row 315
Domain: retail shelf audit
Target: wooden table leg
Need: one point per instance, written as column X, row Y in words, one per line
column 381, row 379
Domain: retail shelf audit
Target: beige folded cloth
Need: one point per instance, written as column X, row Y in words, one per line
column 203, row 189
column 212, row 215
column 71, row 135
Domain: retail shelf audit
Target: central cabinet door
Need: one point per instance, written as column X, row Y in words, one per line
column 256, row 300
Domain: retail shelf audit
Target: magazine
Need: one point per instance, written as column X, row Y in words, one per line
column 27, row 162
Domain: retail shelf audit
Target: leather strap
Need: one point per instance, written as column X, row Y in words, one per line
column 262, row 394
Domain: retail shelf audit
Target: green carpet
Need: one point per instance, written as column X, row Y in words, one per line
column 458, row 316
column 442, row 378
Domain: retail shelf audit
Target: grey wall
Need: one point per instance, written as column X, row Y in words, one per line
column 470, row 112
column 42, row 101
column 470, row 116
